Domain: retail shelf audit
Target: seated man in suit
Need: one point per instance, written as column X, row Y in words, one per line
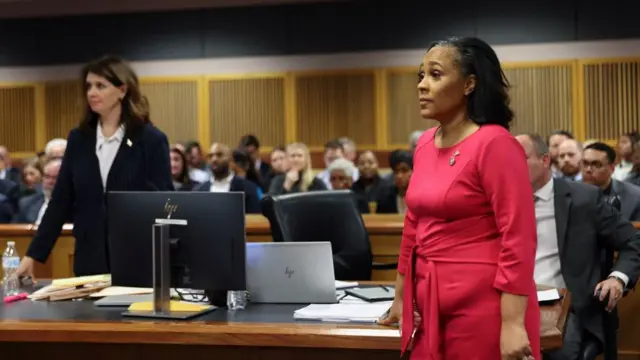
column 576, row 226
column 6, row 210
column 224, row 180
column 598, row 161
column 32, row 207
column 11, row 190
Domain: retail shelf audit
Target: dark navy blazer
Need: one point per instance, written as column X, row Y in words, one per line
column 141, row 164
column 238, row 184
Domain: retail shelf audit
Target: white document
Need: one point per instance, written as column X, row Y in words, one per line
column 548, row 295
column 345, row 284
column 344, row 312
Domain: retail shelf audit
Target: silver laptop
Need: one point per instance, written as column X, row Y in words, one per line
column 290, row 272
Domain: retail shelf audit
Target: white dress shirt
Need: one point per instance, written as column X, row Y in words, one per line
column 622, row 170
column 547, row 269
column 106, row 150
column 223, row 185
column 42, row 210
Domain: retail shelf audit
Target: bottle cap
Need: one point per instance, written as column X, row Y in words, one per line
column 11, row 242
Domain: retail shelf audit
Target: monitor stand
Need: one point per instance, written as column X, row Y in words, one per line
column 161, row 306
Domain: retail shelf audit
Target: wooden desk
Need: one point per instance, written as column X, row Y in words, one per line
column 78, row 330
column 385, row 233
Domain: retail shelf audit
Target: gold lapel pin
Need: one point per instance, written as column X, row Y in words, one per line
column 129, row 143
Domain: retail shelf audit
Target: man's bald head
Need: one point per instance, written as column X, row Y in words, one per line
column 219, row 147
column 538, row 159
column 219, row 155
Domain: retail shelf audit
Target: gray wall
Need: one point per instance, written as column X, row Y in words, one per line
column 307, row 29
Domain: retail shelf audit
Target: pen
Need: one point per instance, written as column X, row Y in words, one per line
column 384, row 288
column 10, row 299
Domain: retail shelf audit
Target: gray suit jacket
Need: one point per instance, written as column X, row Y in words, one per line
column 28, row 208
column 587, row 226
column 629, row 195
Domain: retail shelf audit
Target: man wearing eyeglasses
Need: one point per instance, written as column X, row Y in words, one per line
column 597, row 166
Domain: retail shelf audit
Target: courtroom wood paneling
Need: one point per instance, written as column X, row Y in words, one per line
column 63, row 108
column 173, row 107
column 611, row 97
column 18, row 118
column 403, row 107
column 334, row 105
column 247, row 105
column 541, row 97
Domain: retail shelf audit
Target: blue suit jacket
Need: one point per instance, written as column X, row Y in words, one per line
column 141, row 164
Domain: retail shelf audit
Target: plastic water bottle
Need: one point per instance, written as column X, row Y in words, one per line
column 10, row 264
column 236, row 300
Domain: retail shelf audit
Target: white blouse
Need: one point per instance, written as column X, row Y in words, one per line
column 106, row 150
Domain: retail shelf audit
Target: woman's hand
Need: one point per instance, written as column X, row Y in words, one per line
column 514, row 342
column 290, row 179
column 26, row 268
column 394, row 316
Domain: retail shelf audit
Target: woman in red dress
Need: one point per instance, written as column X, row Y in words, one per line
column 465, row 288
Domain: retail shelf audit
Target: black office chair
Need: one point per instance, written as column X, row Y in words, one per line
column 324, row 216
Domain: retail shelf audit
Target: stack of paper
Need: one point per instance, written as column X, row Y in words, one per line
column 345, row 312
column 345, row 284
column 72, row 288
column 548, row 295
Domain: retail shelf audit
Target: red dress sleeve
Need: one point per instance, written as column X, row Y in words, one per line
column 504, row 176
column 408, row 241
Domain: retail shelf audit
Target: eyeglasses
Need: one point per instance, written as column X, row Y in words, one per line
column 596, row 165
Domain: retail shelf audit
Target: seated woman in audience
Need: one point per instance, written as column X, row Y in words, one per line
column 391, row 197
column 633, row 176
column 279, row 164
column 115, row 148
column 31, row 177
column 341, row 173
column 242, row 165
column 300, row 177
column 180, row 171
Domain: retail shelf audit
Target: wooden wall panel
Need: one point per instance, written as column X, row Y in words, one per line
column 63, row 108
column 18, row 118
column 173, row 107
column 611, row 98
column 403, row 107
column 541, row 97
column 250, row 105
column 334, row 105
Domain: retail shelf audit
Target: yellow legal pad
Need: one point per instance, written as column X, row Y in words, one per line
column 177, row 306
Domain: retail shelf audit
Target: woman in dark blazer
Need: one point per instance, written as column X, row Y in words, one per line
column 115, row 148
column 180, row 171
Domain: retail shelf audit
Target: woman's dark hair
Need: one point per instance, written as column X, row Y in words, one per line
column 250, row 140
column 135, row 106
column 242, row 159
column 183, row 177
column 489, row 101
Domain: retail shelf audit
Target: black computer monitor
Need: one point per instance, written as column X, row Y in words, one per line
column 207, row 231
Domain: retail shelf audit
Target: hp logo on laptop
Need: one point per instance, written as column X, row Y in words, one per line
column 288, row 272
